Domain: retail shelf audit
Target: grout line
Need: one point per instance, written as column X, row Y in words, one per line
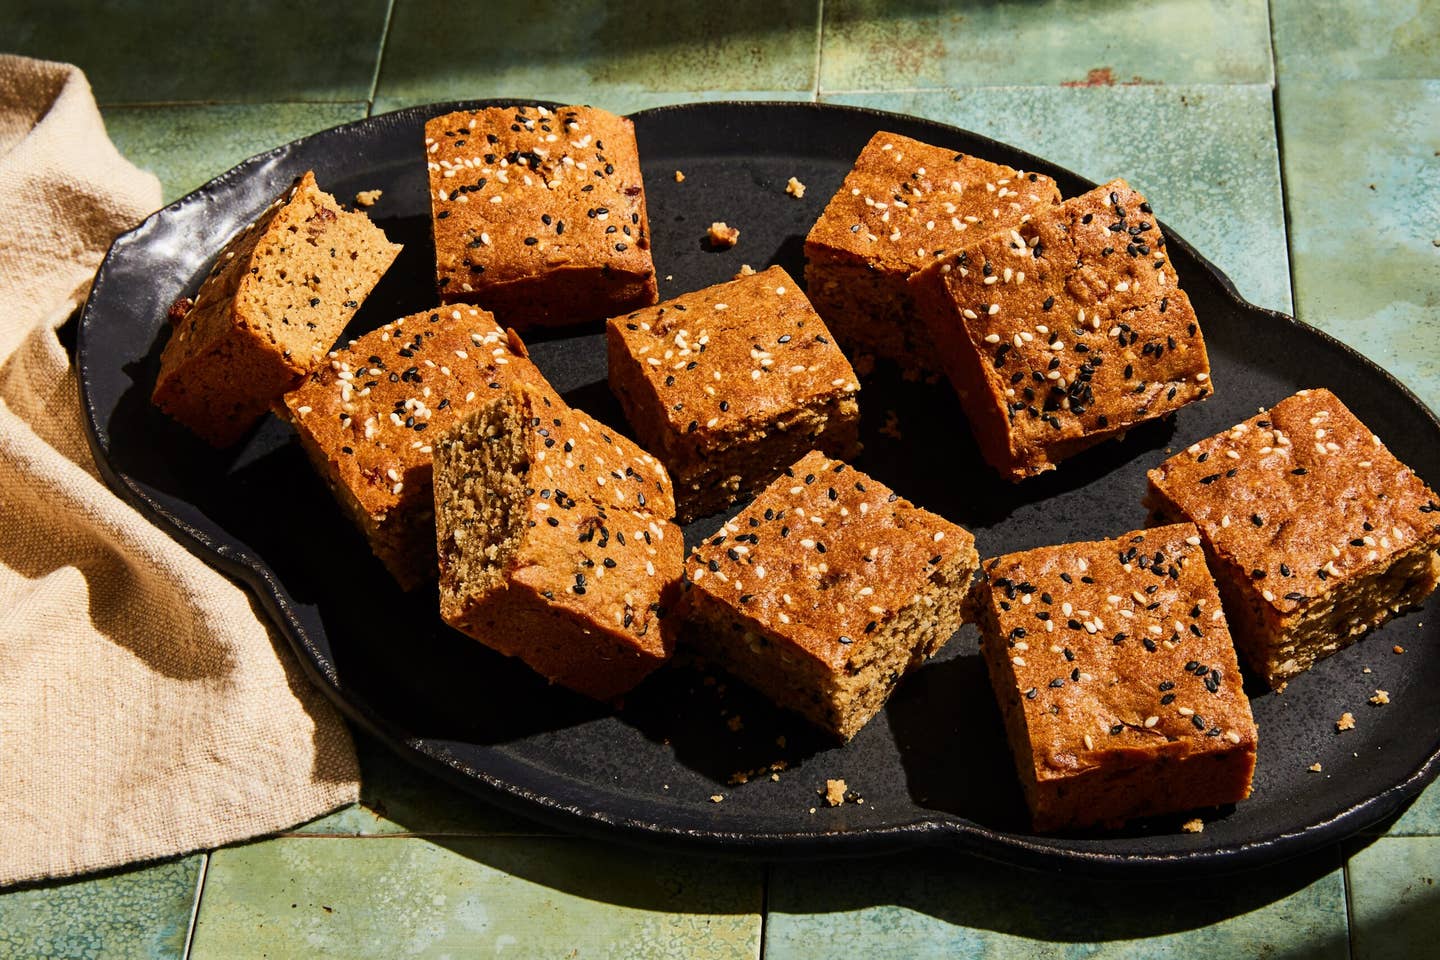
column 764, row 906
column 1349, row 906
column 380, row 58
column 1280, row 162
column 819, row 49
column 195, row 906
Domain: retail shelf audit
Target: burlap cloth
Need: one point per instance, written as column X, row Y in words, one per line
column 146, row 709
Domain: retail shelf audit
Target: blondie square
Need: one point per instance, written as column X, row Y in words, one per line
column 539, row 215
column 369, row 417
column 1117, row 679
column 1315, row 532
column 278, row 297
column 1064, row 332
column 825, row 590
column 536, row 559
column 730, row 384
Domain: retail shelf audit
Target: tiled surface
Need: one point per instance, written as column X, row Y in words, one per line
column 404, row 897
column 1362, row 162
column 171, row 50
column 1178, row 97
column 1191, row 150
column 1356, row 39
column 881, row 45
column 602, row 50
column 137, row 914
column 185, row 146
column 1395, row 899
column 925, row 906
column 396, row 798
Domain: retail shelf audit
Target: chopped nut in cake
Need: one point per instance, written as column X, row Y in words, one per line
column 538, row 214
column 1064, row 332
column 825, row 590
column 1316, row 533
column 730, row 384
column 571, row 579
column 1117, row 679
column 905, row 204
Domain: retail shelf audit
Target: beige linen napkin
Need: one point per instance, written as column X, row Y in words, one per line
column 145, row 707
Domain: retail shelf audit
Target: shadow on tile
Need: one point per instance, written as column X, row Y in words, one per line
column 931, row 903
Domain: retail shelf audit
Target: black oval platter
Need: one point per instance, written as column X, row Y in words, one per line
column 933, row 766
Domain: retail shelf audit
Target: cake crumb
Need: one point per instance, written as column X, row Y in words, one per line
column 834, row 793
column 1346, row 721
column 1365, row 670
column 722, row 236
column 774, row 778
column 716, row 797
column 745, row 271
column 1193, row 826
column 1381, row 698
column 1315, row 767
column 679, row 177
column 367, row 198
column 1398, row 649
column 795, row 188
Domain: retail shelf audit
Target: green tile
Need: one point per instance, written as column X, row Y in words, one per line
column 925, row 905
column 393, row 897
column 175, row 51
column 1205, row 156
column 1362, row 180
column 876, row 45
column 185, row 146
column 616, row 101
column 1356, row 39
column 138, row 913
column 1422, row 819
column 1395, row 898
column 397, row 798
column 596, row 49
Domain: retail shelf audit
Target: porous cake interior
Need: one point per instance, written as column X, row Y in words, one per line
column 309, row 276
column 480, row 494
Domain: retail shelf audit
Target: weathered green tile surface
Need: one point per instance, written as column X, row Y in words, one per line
column 524, row 897
column 139, row 913
column 1395, row 899
column 1422, row 818
column 923, row 906
column 616, row 101
column 1362, row 174
column 397, row 798
column 877, row 45
column 441, row 51
column 185, row 146
column 1366, row 39
column 171, row 50
column 1205, row 156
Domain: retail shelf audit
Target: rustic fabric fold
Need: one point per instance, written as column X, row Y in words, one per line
column 146, row 708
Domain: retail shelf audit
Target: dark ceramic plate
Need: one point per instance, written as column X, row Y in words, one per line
column 933, row 767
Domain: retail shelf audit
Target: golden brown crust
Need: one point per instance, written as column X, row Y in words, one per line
column 903, row 204
column 730, row 379
column 539, row 215
column 369, row 417
column 279, row 295
column 826, row 568
column 1065, row 332
column 1296, row 505
column 1114, row 668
